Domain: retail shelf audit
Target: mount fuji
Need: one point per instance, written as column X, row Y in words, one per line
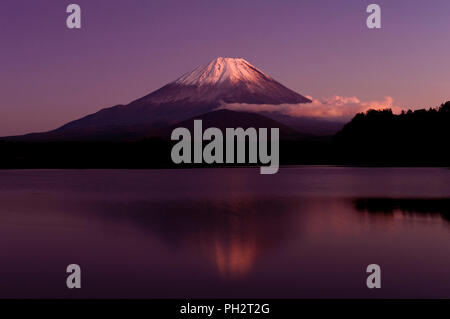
column 203, row 90
column 226, row 80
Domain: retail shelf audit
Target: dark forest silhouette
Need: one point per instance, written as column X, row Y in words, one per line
column 413, row 137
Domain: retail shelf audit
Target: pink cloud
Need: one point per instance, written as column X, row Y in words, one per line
column 334, row 107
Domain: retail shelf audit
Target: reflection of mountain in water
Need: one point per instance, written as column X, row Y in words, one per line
column 231, row 233
column 410, row 207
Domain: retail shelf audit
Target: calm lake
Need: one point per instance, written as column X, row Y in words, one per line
column 231, row 233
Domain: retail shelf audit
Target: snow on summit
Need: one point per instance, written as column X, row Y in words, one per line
column 221, row 70
column 225, row 80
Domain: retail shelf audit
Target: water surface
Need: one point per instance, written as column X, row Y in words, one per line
column 232, row 233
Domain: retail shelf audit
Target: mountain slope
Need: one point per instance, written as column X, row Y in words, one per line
column 223, row 80
column 223, row 119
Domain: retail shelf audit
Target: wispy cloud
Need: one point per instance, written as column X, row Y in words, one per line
column 341, row 107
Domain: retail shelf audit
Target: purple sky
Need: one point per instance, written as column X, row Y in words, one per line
column 128, row 48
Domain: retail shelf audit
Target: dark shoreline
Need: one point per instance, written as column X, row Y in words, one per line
column 373, row 139
column 155, row 154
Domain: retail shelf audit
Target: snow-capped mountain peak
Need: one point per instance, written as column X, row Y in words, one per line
column 225, row 80
column 221, row 70
column 222, row 81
